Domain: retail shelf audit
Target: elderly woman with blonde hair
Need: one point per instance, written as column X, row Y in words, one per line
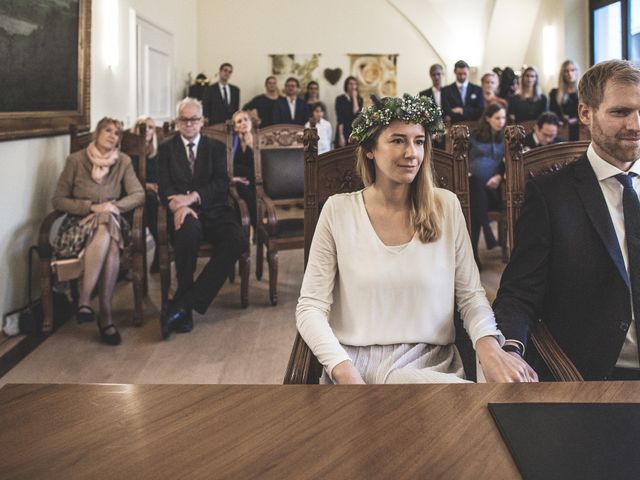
column 97, row 185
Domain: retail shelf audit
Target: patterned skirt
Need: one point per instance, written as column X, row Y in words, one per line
column 76, row 231
column 406, row 363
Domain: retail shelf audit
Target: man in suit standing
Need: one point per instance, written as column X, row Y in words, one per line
column 545, row 131
column 436, row 72
column 291, row 108
column 221, row 100
column 194, row 184
column 462, row 100
column 576, row 261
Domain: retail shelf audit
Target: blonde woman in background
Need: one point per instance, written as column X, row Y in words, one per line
column 564, row 99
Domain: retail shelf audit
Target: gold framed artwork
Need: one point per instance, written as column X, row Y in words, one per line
column 46, row 76
column 376, row 74
column 303, row 66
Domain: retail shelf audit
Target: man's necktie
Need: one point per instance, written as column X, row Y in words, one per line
column 192, row 156
column 631, row 209
column 226, row 96
column 463, row 92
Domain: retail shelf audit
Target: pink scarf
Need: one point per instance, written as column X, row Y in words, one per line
column 100, row 162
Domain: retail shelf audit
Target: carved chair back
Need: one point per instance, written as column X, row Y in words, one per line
column 521, row 166
column 222, row 132
column 279, row 163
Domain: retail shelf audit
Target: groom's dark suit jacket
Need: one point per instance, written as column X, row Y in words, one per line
column 567, row 269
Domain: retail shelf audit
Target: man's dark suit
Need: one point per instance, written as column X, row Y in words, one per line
column 216, row 221
column 530, row 142
column 427, row 93
column 472, row 108
column 282, row 114
column 567, row 268
column 214, row 106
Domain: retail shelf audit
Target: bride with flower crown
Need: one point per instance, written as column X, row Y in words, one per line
column 389, row 263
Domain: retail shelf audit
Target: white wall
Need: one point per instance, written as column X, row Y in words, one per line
column 253, row 29
column 31, row 167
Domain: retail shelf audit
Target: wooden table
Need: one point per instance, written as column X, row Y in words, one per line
column 271, row 431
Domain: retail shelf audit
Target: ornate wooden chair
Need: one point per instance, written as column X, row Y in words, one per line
column 334, row 172
column 166, row 254
column 279, row 171
column 498, row 216
column 133, row 256
column 520, row 166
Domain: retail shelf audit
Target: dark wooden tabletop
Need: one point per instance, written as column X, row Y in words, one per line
column 270, row 431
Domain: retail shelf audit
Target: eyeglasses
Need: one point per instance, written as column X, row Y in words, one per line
column 187, row 121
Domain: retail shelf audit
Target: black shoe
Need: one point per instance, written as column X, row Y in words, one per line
column 185, row 325
column 85, row 314
column 109, row 338
column 176, row 314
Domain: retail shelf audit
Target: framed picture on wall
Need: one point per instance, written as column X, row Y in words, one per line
column 45, row 70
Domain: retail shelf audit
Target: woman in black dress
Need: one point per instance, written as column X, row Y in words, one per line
column 263, row 104
column 348, row 106
column 563, row 101
column 242, row 149
column 529, row 103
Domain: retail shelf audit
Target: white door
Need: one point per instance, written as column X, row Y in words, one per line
column 155, row 67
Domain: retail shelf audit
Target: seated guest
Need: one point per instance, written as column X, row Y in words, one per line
column 195, row 186
column 151, row 180
column 325, row 132
column 545, row 131
column 530, row 102
column 348, row 106
column 263, row 103
column 290, row 108
column 221, row 99
column 576, row 258
column 97, row 185
column 368, row 308
column 563, row 101
column 242, row 150
column 197, row 89
column 312, row 97
column 486, row 165
column 436, row 72
column 489, row 88
column 462, row 100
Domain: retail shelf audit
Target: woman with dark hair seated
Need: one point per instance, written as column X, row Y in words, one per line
column 388, row 264
column 90, row 191
column 151, row 180
column 242, row 151
column 348, row 106
column 486, row 165
column 529, row 103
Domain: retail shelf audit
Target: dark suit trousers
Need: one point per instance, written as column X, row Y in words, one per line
column 482, row 200
column 248, row 194
column 229, row 243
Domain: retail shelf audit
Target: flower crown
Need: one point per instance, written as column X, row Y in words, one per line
column 409, row 109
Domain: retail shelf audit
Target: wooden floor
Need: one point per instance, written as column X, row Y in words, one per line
column 228, row 344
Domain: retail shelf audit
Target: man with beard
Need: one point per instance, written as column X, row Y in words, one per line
column 576, row 261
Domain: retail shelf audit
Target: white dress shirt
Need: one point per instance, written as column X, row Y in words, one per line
column 225, row 89
column 437, row 96
column 612, row 191
column 292, row 106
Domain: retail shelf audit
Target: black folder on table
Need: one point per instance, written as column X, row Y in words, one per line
column 571, row 440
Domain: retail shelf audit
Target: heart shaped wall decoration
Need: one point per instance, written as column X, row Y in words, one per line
column 332, row 75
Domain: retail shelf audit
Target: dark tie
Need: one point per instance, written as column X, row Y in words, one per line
column 631, row 209
column 192, row 156
column 226, row 97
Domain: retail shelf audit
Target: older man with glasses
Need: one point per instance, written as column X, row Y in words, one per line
column 194, row 184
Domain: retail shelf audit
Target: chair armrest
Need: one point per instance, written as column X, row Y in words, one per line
column 303, row 367
column 243, row 210
column 45, row 250
column 266, row 206
column 559, row 364
column 137, row 230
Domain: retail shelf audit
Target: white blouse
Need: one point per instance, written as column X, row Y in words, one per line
column 359, row 291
